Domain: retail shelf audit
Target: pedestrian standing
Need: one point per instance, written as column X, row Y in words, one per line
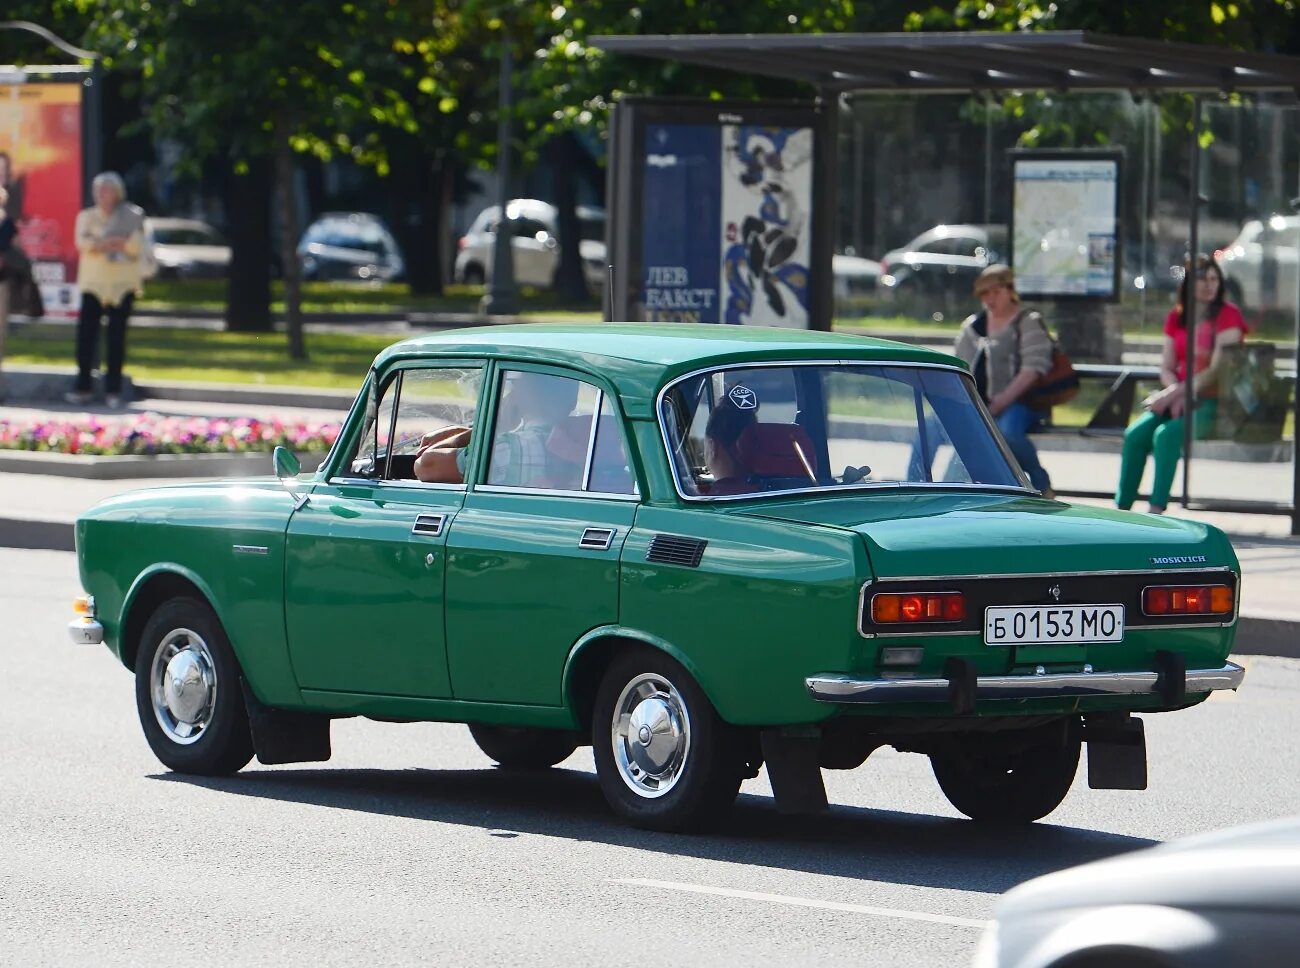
column 7, row 232
column 110, row 240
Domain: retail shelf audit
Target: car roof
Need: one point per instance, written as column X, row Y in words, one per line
column 640, row 357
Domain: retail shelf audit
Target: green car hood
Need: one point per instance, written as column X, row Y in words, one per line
column 912, row 535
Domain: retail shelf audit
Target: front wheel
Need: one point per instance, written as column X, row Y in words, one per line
column 523, row 749
column 1013, row 778
column 188, row 693
column 664, row 758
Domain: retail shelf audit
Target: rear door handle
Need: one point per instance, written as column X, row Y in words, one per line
column 431, row 525
column 597, row 539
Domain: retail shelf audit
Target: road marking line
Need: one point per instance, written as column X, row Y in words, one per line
column 880, row 912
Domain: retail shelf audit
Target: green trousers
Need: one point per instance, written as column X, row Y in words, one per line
column 1162, row 437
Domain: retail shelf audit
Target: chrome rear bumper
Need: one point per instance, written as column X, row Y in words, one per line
column 847, row 689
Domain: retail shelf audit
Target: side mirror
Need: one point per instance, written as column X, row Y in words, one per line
column 286, row 463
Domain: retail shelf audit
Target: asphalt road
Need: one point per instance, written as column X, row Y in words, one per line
column 409, row 848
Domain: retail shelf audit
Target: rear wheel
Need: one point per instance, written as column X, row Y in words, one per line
column 188, row 693
column 523, row 749
column 664, row 758
column 1011, row 778
column 474, row 275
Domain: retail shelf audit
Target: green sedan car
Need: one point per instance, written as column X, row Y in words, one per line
column 704, row 550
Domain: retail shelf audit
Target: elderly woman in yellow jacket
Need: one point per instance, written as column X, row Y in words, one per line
column 110, row 240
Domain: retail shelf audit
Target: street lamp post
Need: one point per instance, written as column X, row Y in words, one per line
column 501, row 298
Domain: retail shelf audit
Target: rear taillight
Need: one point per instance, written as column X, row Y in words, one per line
column 904, row 609
column 1187, row 600
column 462, row 242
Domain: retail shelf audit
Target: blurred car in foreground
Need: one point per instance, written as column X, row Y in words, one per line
column 1260, row 263
column 347, row 246
column 186, row 248
column 1226, row 898
column 534, row 242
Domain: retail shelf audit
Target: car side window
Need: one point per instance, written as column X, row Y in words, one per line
column 544, row 437
column 416, row 403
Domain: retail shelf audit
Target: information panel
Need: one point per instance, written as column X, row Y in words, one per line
column 1064, row 223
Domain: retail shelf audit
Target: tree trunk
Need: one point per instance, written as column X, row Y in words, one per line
column 414, row 200
column 289, row 238
column 570, row 282
column 248, row 213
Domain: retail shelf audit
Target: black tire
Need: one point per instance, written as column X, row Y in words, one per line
column 474, row 275
column 202, row 727
column 1012, row 778
column 523, row 749
column 694, row 780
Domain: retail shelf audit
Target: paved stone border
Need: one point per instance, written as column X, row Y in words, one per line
column 127, row 467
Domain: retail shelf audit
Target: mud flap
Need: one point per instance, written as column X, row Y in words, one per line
column 793, row 758
column 285, row 735
column 1117, row 751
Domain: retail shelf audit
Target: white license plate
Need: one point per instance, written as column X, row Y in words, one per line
column 1053, row 624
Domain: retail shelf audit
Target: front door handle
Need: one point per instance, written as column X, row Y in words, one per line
column 431, row 525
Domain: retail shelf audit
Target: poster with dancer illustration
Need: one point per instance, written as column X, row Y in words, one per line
column 713, row 207
column 766, row 200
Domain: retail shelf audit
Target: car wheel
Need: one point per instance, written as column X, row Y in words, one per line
column 474, row 275
column 523, row 749
column 664, row 758
column 1010, row 778
column 188, row 693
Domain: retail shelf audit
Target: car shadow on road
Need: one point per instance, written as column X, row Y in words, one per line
column 878, row 845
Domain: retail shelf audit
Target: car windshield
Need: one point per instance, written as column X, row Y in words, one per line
column 187, row 235
column 757, row 429
column 347, row 235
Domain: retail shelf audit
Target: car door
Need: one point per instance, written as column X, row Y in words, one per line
column 533, row 555
column 536, row 252
column 365, row 558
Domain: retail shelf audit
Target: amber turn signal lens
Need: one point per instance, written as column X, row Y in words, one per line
column 83, row 605
column 890, row 609
column 1187, row 600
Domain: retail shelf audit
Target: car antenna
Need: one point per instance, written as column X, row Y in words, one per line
column 609, row 293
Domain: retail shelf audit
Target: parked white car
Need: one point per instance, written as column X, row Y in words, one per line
column 535, row 243
column 1260, row 264
column 185, row 248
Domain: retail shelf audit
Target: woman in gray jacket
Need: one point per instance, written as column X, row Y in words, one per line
column 1008, row 349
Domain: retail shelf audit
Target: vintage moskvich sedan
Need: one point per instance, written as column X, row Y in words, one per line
column 700, row 549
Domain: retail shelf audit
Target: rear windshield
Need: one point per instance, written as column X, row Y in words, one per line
column 760, row 429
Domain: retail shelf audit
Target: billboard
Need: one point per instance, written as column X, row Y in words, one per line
column 1064, row 223
column 41, row 141
column 713, row 213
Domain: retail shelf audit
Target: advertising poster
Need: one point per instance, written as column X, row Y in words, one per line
column 725, row 211
column 1064, row 216
column 41, row 164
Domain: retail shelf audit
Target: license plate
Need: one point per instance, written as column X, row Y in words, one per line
column 1053, row 624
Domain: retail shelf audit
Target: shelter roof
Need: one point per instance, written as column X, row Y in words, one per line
column 973, row 61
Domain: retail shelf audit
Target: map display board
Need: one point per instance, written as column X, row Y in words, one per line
column 1064, row 223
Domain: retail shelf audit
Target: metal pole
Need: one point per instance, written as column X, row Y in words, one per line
column 1189, row 297
column 821, row 290
column 501, row 298
column 1295, row 409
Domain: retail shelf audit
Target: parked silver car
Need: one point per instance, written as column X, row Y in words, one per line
column 534, row 242
column 1260, row 264
column 185, row 248
column 1226, row 898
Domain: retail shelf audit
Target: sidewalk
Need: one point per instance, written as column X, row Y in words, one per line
column 38, row 510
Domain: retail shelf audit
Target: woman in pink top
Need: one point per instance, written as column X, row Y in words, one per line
column 1159, row 431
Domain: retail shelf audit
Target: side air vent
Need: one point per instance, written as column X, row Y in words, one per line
column 667, row 549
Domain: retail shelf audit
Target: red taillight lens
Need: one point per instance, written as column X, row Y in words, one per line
column 1187, row 600
column 462, row 242
column 891, row 609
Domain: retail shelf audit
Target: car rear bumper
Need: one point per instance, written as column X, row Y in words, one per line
column 848, row 689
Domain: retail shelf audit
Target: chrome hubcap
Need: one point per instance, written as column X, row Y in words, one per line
column 183, row 683
column 651, row 735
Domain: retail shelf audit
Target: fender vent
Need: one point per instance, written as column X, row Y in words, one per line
column 667, row 549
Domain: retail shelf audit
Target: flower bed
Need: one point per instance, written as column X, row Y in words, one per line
column 151, row 434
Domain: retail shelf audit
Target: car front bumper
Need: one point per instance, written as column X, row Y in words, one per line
column 849, row 689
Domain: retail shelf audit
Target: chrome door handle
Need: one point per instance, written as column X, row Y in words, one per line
column 429, row 524
column 597, row 539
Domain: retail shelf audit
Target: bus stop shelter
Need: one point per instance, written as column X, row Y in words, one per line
column 978, row 63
